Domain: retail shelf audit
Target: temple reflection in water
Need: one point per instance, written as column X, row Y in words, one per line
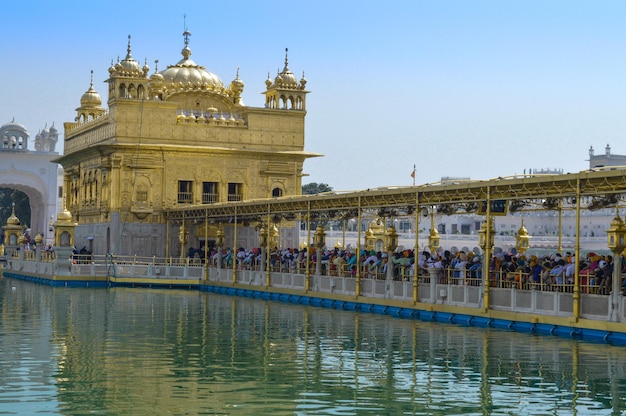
column 127, row 351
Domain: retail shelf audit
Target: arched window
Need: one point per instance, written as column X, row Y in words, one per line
column 277, row 192
column 65, row 239
column 140, row 92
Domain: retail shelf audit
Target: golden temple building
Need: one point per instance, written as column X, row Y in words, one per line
column 174, row 138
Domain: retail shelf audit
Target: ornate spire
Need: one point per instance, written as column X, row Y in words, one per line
column 186, row 52
column 286, row 61
column 128, row 55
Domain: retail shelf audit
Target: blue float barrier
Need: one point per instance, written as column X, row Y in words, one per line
column 481, row 321
column 461, row 319
column 327, row 303
column 443, row 317
column 380, row 309
column 393, row 311
column 351, row 306
column 338, row 304
column 544, row 329
column 366, row 307
column 563, row 331
column 594, row 335
column 427, row 315
column 616, row 338
column 501, row 323
column 523, row 326
column 406, row 313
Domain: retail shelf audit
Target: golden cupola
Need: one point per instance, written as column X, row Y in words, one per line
column 286, row 78
column 91, row 98
column 90, row 104
column 286, row 92
column 13, row 220
column 236, row 86
column 186, row 75
column 128, row 67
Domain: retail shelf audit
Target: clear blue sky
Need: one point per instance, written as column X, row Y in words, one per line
column 464, row 88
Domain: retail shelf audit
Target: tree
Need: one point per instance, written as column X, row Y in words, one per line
column 315, row 188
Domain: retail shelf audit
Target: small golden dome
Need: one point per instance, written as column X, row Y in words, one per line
column 129, row 65
column 91, row 98
column 286, row 78
column 64, row 215
column 237, row 84
column 13, row 220
column 156, row 78
column 376, row 226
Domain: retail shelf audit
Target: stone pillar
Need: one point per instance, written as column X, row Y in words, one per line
column 434, row 276
column 616, row 292
column 318, row 262
column 63, row 261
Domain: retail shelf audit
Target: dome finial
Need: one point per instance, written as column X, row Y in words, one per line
column 91, row 80
column 156, row 65
column 286, row 60
column 186, row 35
column 128, row 48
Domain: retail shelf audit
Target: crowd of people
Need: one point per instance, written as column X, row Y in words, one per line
column 551, row 272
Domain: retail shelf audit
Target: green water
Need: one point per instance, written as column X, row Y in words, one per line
column 128, row 351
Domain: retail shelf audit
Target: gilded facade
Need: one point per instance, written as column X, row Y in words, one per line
column 177, row 137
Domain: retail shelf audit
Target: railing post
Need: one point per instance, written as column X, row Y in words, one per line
column 434, row 277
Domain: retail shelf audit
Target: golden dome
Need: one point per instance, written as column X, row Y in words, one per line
column 188, row 75
column 376, row 226
column 128, row 67
column 237, row 84
column 156, row 78
column 286, row 78
column 13, row 220
column 64, row 216
column 91, row 98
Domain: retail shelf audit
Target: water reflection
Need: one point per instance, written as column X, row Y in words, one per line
column 136, row 351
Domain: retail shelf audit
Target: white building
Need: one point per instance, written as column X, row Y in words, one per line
column 32, row 172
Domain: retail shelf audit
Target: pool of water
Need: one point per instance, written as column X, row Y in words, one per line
column 124, row 351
